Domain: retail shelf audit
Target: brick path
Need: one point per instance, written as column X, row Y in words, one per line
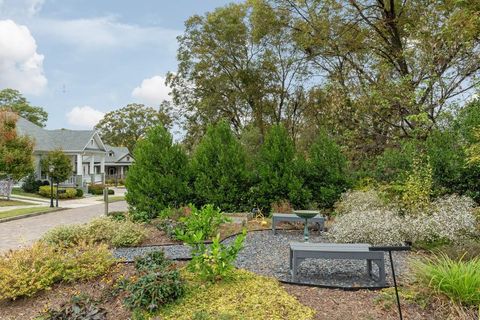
column 17, row 233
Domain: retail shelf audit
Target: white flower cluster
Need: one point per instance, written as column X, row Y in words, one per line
column 449, row 218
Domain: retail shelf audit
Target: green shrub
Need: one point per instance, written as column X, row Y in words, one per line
column 458, row 280
column 219, row 170
column 279, row 172
column 215, row 262
column 200, row 224
column 78, row 308
column 31, row 185
column 118, row 215
column 101, row 230
column 417, row 187
column 79, row 193
column 97, row 189
column 158, row 284
column 159, row 177
column 26, row 271
column 326, row 175
column 70, row 193
column 464, row 250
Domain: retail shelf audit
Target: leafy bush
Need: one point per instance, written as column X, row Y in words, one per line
column 279, row 172
column 216, row 262
column 326, row 175
column 97, row 189
column 118, row 215
column 26, row 271
column 31, row 185
column 200, row 224
column 158, row 284
column 79, row 193
column 101, row 230
column 360, row 201
column 78, row 308
column 458, row 280
column 159, row 177
column 70, row 193
column 219, row 170
column 417, row 187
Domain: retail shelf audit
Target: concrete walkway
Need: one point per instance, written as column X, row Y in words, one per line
column 18, row 233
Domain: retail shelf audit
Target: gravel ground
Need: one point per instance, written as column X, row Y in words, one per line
column 267, row 254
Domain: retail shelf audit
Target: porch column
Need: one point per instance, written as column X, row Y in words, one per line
column 102, row 168
column 121, row 172
column 79, row 164
column 92, row 165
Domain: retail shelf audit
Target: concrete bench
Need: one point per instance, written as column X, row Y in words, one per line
column 290, row 217
column 300, row 251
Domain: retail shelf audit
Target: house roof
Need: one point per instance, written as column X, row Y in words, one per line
column 118, row 154
column 49, row 140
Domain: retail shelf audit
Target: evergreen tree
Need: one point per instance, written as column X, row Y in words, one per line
column 158, row 177
column 219, row 169
column 61, row 165
column 326, row 171
column 279, row 172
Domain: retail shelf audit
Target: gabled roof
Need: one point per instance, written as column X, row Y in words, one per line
column 49, row 140
column 118, row 154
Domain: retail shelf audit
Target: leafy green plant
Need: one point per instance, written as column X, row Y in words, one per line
column 97, row 189
column 65, row 193
column 158, row 284
column 200, row 224
column 26, row 271
column 78, row 308
column 215, row 262
column 458, row 280
column 418, row 186
column 115, row 233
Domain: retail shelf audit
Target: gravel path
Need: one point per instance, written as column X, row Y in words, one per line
column 267, row 254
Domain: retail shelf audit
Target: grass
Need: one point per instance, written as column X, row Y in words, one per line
column 458, row 280
column 11, row 203
column 19, row 212
column 114, row 199
column 20, row 192
column 246, row 296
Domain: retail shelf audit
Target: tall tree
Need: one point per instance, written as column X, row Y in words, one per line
column 238, row 63
column 61, row 165
column 391, row 67
column 16, row 153
column 219, row 169
column 125, row 126
column 12, row 100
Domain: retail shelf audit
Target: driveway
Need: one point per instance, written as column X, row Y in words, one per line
column 18, row 233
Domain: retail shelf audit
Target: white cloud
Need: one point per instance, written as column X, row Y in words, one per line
column 104, row 32
column 84, row 117
column 21, row 67
column 152, row 91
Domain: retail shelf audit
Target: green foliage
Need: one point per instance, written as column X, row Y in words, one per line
column 12, row 100
column 127, row 125
column 326, row 171
column 79, row 193
column 61, row 164
column 393, row 163
column 219, row 169
column 78, row 308
column 244, row 296
column 465, row 250
column 418, row 186
column 200, row 224
column 26, row 271
column 159, row 283
column 102, row 230
column 459, row 280
column 45, row 191
column 158, row 178
column 278, row 172
column 31, row 185
column 215, row 262
column 97, row 189
column 118, row 215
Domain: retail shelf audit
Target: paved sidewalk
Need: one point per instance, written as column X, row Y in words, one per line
column 17, row 233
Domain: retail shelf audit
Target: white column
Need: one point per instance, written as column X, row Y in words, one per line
column 121, row 172
column 92, row 165
column 79, row 164
column 102, row 164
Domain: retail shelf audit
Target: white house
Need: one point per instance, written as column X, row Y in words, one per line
column 84, row 147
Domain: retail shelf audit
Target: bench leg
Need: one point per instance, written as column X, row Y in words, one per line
column 369, row 268
column 381, row 271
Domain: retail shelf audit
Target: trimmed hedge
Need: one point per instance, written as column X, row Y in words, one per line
column 97, row 189
column 69, row 193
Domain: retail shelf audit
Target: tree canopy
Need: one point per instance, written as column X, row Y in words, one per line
column 60, row 163
column 125, row 126
column 12, row 100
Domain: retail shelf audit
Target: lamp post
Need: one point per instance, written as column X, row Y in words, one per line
column 51, row 168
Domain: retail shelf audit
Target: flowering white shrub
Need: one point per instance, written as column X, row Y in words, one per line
column 359, row 201
column 375, row 227
column 450, row 218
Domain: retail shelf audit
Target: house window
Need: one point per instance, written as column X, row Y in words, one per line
column 110, row 154
column 92, row 142
column 128, row 158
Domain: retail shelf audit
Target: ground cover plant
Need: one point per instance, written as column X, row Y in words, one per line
column 24, row 272
column 78, row 308
column 111, row 231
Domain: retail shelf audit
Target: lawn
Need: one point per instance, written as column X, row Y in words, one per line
column 11, row 203
column 19, row 212
column 114, row 199
column 20, row 192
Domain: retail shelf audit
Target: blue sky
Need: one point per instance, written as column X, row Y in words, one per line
column 81, row 58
